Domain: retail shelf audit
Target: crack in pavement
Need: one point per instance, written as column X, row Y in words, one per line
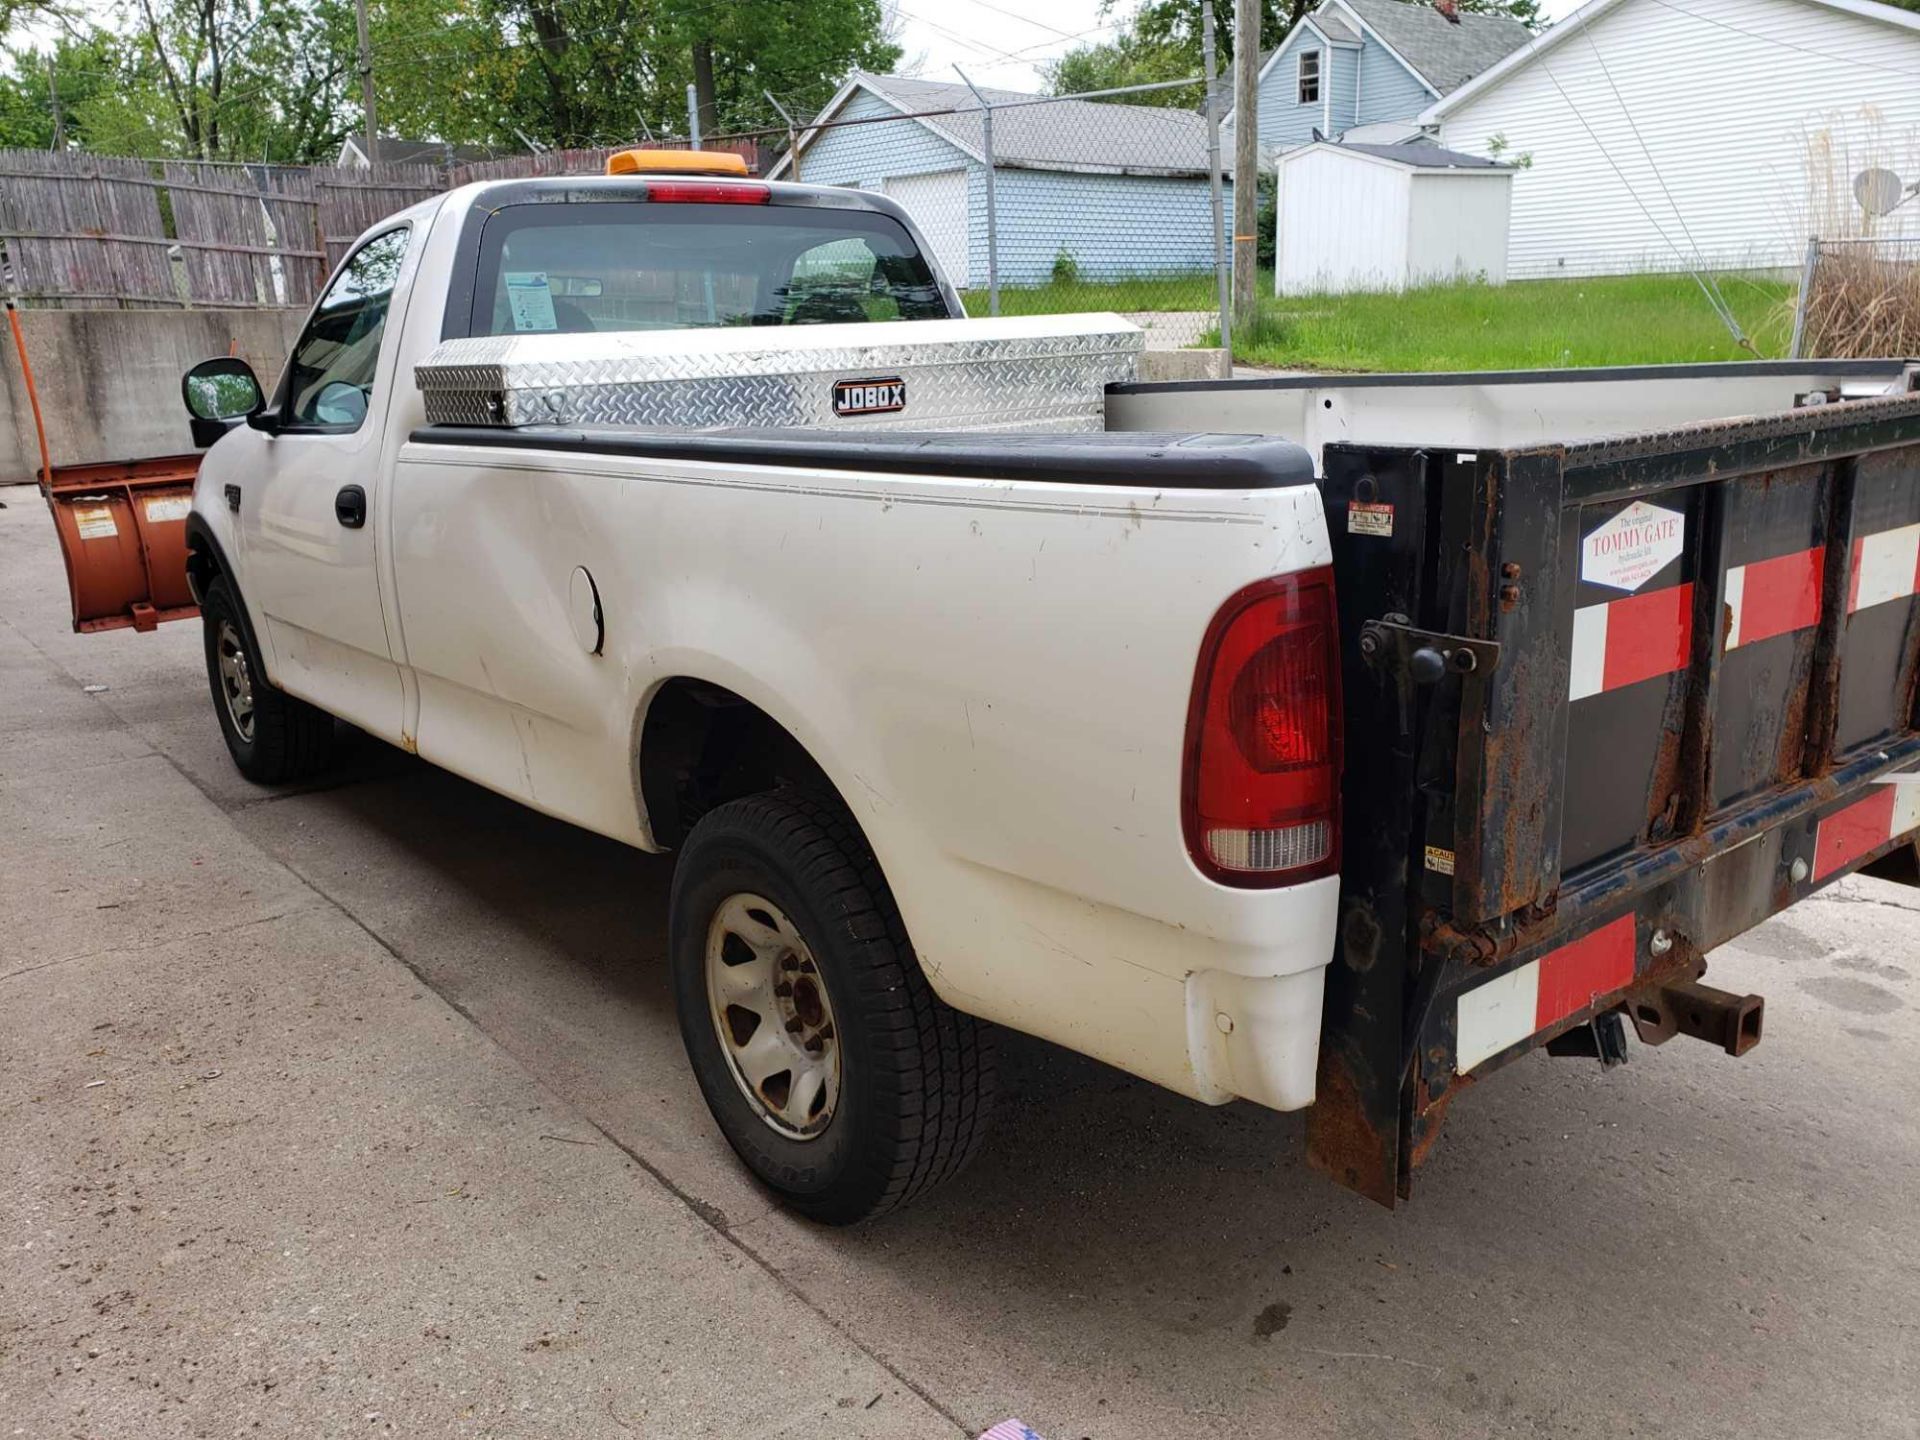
column 169, row 940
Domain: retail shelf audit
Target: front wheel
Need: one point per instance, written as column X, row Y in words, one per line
column 273, row 737
column 834, row 1071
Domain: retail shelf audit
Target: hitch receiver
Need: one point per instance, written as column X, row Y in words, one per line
column 1686, row 1007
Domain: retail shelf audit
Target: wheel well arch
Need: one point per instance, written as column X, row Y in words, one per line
column 205, row 559
column 700, row 745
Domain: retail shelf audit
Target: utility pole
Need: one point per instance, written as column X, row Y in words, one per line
column 59, row 115
column 366, row 79
column 1246, row 159
column 1222, row 270
column 793, row 134
column 693, row 118
column 993, row 223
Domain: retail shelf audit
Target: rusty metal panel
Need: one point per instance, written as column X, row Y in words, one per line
column 1510, row 770
column 1881, row 619
column 1378, row 504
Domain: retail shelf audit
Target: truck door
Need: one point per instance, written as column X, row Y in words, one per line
column 306, row 502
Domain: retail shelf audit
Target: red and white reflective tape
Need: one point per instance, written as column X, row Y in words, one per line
column 1523, row 1002
column 1886, row 567
column 1887, row 812
column 1774, row 597
column 1626, row 641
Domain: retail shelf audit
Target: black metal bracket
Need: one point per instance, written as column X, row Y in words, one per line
column 1425, row 656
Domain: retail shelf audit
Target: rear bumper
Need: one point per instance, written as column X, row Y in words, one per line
column 1639, row 924
column 1255, row 1037
column 1235, row 1013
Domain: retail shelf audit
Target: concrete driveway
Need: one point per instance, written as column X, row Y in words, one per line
column 361, row 1109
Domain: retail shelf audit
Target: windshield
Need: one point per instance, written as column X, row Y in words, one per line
column 583, row 268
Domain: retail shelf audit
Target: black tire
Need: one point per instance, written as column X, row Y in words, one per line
column 916, row 1077
column 280, row 739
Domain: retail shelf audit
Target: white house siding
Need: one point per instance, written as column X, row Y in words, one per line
column 1113, row 226
column 1342, row 225
column 1457, row 226
column 1741, row 134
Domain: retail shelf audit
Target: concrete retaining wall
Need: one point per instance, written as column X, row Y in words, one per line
column 109, row 380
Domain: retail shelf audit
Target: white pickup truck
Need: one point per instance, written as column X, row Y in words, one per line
column 1047, row 731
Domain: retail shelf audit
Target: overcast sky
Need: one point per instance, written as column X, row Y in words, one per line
column 1003, row 42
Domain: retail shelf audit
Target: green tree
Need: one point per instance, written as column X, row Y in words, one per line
column 587, row 72
column 279, row 80
column 1161, row 41
column 77, row 69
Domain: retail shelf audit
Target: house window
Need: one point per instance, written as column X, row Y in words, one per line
column 1310, row 77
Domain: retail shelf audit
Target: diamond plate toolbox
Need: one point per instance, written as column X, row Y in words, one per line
column 1027, row 373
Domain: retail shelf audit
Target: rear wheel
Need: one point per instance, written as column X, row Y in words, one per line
column 833, row 1070
column 272, row 737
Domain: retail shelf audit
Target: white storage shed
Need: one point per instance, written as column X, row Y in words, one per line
column 1388, row 217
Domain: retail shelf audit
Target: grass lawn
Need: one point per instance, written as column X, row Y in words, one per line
column 1531, row 324
column 1147, row 292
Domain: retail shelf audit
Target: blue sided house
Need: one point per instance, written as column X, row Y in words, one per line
column 1353, row 65
column 1103, row 191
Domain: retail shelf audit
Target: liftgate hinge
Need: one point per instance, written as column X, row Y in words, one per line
column 1390, row 643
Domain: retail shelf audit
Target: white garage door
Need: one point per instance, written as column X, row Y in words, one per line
column 938, row 205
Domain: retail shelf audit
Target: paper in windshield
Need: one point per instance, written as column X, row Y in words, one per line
column 529, row 300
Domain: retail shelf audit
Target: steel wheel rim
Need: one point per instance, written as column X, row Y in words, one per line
column 771, row 1014
column 236, row 678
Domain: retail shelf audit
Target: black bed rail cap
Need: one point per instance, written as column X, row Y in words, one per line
column 1160, row 460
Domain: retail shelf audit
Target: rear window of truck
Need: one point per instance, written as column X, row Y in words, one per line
column 596, row 268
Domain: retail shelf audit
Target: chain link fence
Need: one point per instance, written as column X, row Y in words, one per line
column 1859, row 297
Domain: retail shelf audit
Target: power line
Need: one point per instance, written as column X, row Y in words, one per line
column 1717, row 299
column 1024, row 19
column 1634, row 196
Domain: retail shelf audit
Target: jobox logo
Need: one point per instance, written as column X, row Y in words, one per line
column 869, row 397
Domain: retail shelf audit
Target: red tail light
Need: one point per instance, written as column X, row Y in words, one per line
column 688, row 192
column 1261, row 793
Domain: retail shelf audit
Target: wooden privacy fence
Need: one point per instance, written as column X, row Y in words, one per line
column 87, row 231
column 587, row 162
column 84, row 231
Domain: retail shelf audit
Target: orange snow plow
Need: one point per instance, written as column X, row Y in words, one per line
column 122, row 526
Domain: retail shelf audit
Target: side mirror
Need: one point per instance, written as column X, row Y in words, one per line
column 219, row 393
